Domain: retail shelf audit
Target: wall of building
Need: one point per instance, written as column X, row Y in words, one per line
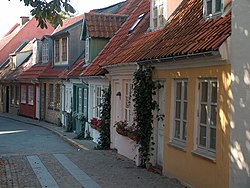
column 51, row 115
column 195, row 169
column 240, row 101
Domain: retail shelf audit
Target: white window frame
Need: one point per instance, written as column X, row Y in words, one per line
column 31, row 95
column 213, row 13
column 51, row 96
column 87, row 50
column 127, row 101
column 85, row 101
column 98, row 100
column 23, row 94
column 157, row 14
column 208, row 125
column 45, row 53
column 60, row 61
column 80, row 101
column 57, row 97
column 182, row 118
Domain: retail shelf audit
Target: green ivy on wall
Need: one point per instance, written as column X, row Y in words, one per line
column 144, row 104
column 104, row 139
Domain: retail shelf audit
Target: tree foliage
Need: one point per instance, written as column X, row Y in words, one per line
column 45, row 12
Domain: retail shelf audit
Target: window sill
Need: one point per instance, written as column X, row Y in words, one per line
column 205, row 155
column 179, row 146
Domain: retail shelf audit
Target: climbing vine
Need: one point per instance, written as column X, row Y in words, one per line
column 144, row 104
column 104, row 139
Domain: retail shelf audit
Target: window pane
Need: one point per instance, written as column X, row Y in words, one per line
column 11, row 94
column 80, row 100
column 178, row 90
column 51, row 95
column 203, row 115
column 64, row 49
column 209, row 7
column 56, row 50
column 203, row 136
column 184, row 133
column 204, row 91
column 185, row 90
column 17, row 95
column 217, row 5
column 213, row 138
column 31, row 95
column 185, row 111
column 177, row 129
column 213, row 115
column 178, row 110
column 214, row 92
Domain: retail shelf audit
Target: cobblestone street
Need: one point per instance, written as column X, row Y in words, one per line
column 32, row 155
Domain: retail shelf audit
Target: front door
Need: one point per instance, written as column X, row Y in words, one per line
column 37, row 102
column 160, row 98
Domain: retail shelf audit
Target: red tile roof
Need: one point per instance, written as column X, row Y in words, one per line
column 12, row 40
column 68, row 22
column 33, row 72
column 128, row 7
column 75, row 70
column 187, row 32
column 51, row 72
column 121, row 38
column 103, row 25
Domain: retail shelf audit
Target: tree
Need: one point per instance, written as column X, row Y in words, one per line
column 50, row 11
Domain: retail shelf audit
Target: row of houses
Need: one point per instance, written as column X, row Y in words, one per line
column 198, row 51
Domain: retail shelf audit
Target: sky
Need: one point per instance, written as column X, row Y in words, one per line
column 12, row 10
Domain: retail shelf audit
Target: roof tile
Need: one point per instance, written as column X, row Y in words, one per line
column 103, row 25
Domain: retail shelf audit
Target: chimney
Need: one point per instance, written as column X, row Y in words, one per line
column 24, row 19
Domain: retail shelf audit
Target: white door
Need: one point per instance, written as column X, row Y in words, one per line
column 116, row 112
column 37, row 102
column 160, row 97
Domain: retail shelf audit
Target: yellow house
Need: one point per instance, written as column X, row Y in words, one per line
column 190, row 56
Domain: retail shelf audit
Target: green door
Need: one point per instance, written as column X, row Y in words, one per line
column 80, row 107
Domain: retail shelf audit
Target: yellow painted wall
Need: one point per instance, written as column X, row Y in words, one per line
column 184, row 165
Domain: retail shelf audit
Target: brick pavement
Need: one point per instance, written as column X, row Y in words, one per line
column 107, row 168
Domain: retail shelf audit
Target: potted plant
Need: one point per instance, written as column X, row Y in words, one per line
column 95, row 123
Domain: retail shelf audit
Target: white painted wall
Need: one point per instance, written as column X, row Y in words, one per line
column 240, row 102
column 93, row 83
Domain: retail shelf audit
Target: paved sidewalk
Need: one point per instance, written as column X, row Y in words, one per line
column 67, row 136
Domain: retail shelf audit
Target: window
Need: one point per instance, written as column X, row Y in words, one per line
column 57, row 96
column 45, row 52
column 87, row 50
column 180, row 117
column 51, row 101
column 61, row 51
column 80, row 100
column 212, row 7
column 23, row 94
column 85, row 101
column 207, row 115
column 12, row 98
column 57, row 58
column 136, row 23
column 17, row 93
column 158, row 13
column 98, row 101
column 127, row 102
column 31, row 95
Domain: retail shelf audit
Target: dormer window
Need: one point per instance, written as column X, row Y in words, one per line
column 61, row 51
column 212, row 8
column 158, row 15
column 45, row 53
